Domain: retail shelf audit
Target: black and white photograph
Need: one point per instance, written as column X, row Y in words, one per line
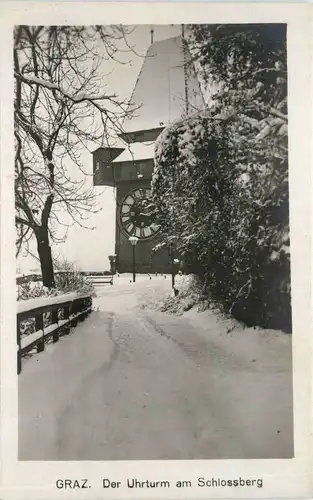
column 153, row 205
column 153, row 250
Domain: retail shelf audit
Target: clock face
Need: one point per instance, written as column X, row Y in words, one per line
column 137, row 214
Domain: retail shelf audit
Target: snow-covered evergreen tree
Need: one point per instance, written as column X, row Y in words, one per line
column 221, row 177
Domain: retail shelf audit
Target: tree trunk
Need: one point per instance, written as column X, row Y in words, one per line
column 45, row 256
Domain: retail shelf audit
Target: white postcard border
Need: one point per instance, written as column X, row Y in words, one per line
column 282, row 478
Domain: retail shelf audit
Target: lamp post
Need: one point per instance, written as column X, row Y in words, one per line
column 174, row 265
column 133, row 241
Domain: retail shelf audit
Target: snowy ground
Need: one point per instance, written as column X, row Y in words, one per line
column 133, row 383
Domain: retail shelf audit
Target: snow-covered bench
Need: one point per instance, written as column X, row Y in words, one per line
column 99, row 279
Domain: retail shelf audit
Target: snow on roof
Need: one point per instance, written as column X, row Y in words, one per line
column 136, row 151
column 160, row 88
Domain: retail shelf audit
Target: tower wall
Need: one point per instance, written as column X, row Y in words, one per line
column 147, row 261
column 160, row 94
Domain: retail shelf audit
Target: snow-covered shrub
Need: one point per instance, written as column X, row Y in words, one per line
column 222, row 201
column 68, row 278
column 32, row 290
column 27, row 326
column 190, row 294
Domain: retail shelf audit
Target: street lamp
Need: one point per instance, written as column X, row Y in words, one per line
column 174, row 264
column 133, row 240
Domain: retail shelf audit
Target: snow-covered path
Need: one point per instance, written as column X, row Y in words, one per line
column 131, row 383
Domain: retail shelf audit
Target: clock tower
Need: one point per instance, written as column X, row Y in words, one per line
column 160, row 93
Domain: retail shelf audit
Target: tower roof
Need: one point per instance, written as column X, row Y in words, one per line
column 160, row 88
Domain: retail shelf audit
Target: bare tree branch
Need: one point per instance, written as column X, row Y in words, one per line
column 61, row 107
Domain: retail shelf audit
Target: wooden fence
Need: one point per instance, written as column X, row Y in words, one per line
column 65, row 312
column 90, row 275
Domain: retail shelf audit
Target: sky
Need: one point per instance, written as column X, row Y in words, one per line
column 89, row 249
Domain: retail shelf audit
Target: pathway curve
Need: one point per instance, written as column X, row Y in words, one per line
column 130, row 383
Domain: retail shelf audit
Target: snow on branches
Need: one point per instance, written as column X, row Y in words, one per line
column 60, row 109
column 224, row 204
column 76, row 98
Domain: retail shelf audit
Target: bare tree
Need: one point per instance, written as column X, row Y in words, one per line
column 61, row 106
